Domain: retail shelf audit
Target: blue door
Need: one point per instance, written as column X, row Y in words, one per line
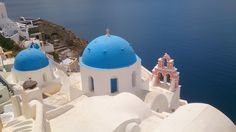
column 114, row 85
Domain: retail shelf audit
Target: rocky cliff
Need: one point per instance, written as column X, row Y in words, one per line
column 58, row 35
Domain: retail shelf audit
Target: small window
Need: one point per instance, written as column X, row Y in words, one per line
column 44, row 77
column 91, row 84
column 168, row 78
column 0, row 96
column 161, row 77
column 165, row 62
column 134, row 79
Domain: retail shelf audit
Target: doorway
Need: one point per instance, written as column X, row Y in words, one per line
column 114, row 87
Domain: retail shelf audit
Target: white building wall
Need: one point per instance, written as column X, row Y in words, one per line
column 48, row 48
column 175, row 101
column 9, row 28
column 24, row 32
column 102, row 78
column 3, row 11
column 160, row 99
column 145, row 77
column 4, row 94
column 37, row 75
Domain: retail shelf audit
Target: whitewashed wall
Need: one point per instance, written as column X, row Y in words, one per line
column 37, row 75
column 102, row 78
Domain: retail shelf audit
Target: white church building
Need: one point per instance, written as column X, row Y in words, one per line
column 112, row 61
column 11, row 29
column 113, row 92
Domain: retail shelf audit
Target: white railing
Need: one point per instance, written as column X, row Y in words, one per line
column 58, row 66
column 145, row 73
column 58, row 111
column 145, row 78
column 37, row 114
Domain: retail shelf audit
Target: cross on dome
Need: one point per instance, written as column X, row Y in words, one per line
column 108, row 32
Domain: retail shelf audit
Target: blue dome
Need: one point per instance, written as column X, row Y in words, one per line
column 34, row 45
column 108, row 52
column 30, row 59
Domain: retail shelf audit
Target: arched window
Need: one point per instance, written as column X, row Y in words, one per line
column 134, row 79
column 168, row 78
column 91, row 84
column 165, row 62
column 161, row 77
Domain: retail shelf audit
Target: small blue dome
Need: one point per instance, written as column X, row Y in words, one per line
column 34, row 45
column 108, row 52
column 30, row 59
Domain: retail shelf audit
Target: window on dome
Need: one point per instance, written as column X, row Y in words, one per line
column 114, row 86
column 91, row 84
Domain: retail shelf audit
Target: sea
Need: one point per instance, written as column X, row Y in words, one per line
column 199, row 34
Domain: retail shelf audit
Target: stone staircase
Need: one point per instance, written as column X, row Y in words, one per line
column 19, row 125
column 62, row 49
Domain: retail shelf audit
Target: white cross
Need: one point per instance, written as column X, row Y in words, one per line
column 108, row 32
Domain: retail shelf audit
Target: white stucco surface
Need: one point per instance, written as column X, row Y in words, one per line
column 123, row 75
column 101, row 114
column 42, row 75
column 196, row 117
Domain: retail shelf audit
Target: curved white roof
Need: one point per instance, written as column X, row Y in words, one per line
column 101, row 114
column 196, row 117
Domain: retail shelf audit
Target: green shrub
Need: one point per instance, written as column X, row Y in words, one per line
column 9, row 45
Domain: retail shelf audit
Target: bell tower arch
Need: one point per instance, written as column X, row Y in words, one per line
column 164, row 74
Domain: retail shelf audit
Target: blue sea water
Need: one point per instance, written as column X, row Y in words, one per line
column 199, row 34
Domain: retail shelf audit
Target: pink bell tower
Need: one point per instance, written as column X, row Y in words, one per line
column 165, row 75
